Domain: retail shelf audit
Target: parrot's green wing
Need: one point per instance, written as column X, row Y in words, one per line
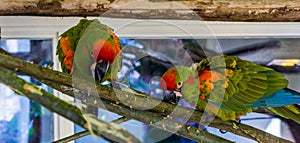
column 288, row 112
column 68, row 42
column 244, row 84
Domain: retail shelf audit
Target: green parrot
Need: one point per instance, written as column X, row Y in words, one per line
column 90, row 48
column 229, row 87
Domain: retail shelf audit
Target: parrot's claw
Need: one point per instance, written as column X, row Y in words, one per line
column 202, row 127
column 239, row 122
column 236, row 124
column 115, row 84
column 50, row 66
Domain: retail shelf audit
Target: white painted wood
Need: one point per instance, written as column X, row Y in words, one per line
column 62, row 126
column 44, row 27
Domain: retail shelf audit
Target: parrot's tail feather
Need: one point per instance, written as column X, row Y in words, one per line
column 283, row 97
column 288, row 112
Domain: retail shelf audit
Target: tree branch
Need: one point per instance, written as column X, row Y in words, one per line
column 209, row 10
column 153, row 119
column 73, row 137
column 109, row 131
column 134, row 100
column 87, row 132
column 166, row 109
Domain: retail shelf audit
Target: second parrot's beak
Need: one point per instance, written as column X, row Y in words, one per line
column 172, row 96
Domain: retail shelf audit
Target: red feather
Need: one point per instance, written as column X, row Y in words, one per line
column 104, row 50
column 168, row 80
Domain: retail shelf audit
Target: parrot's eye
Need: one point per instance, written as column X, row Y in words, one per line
column 92, row 53
column 179, row 84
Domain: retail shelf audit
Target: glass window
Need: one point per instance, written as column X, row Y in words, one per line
column 24, row 120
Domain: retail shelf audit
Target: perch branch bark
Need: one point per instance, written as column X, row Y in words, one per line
column 86, row 132
column 209, row 10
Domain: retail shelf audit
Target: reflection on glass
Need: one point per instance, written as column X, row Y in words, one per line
column 22, row 120
column 14, row 119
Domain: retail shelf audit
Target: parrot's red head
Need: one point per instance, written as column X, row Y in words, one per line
column 107, row 50
column 168, row 80
column 107, row 56
column 104, row 50
column 171, row 79
column 180, row 81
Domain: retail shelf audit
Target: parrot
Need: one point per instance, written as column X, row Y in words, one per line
column 90, row 50
column 229, row 87
column 94, row 40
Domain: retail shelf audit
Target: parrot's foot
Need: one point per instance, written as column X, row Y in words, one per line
column 50, row 66
column 202, row 127
column 238, row 121
column 115, row 85
column 235, row 126
column 89, row 109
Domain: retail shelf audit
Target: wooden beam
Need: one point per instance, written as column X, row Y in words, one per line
column 209, row 10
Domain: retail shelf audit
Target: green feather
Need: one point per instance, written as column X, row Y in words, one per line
column 258, row 76
column 73, row 34
column 248, row 83
column 288, row 112
column 190, row 90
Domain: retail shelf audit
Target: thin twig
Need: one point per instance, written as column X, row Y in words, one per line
column 120, row 120
column 87, row 132
column 73, row 137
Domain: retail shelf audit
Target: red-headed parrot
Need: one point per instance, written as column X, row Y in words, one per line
column 97, row 49
column 231, row 87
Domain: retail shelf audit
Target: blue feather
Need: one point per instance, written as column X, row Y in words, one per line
column 282, row 97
